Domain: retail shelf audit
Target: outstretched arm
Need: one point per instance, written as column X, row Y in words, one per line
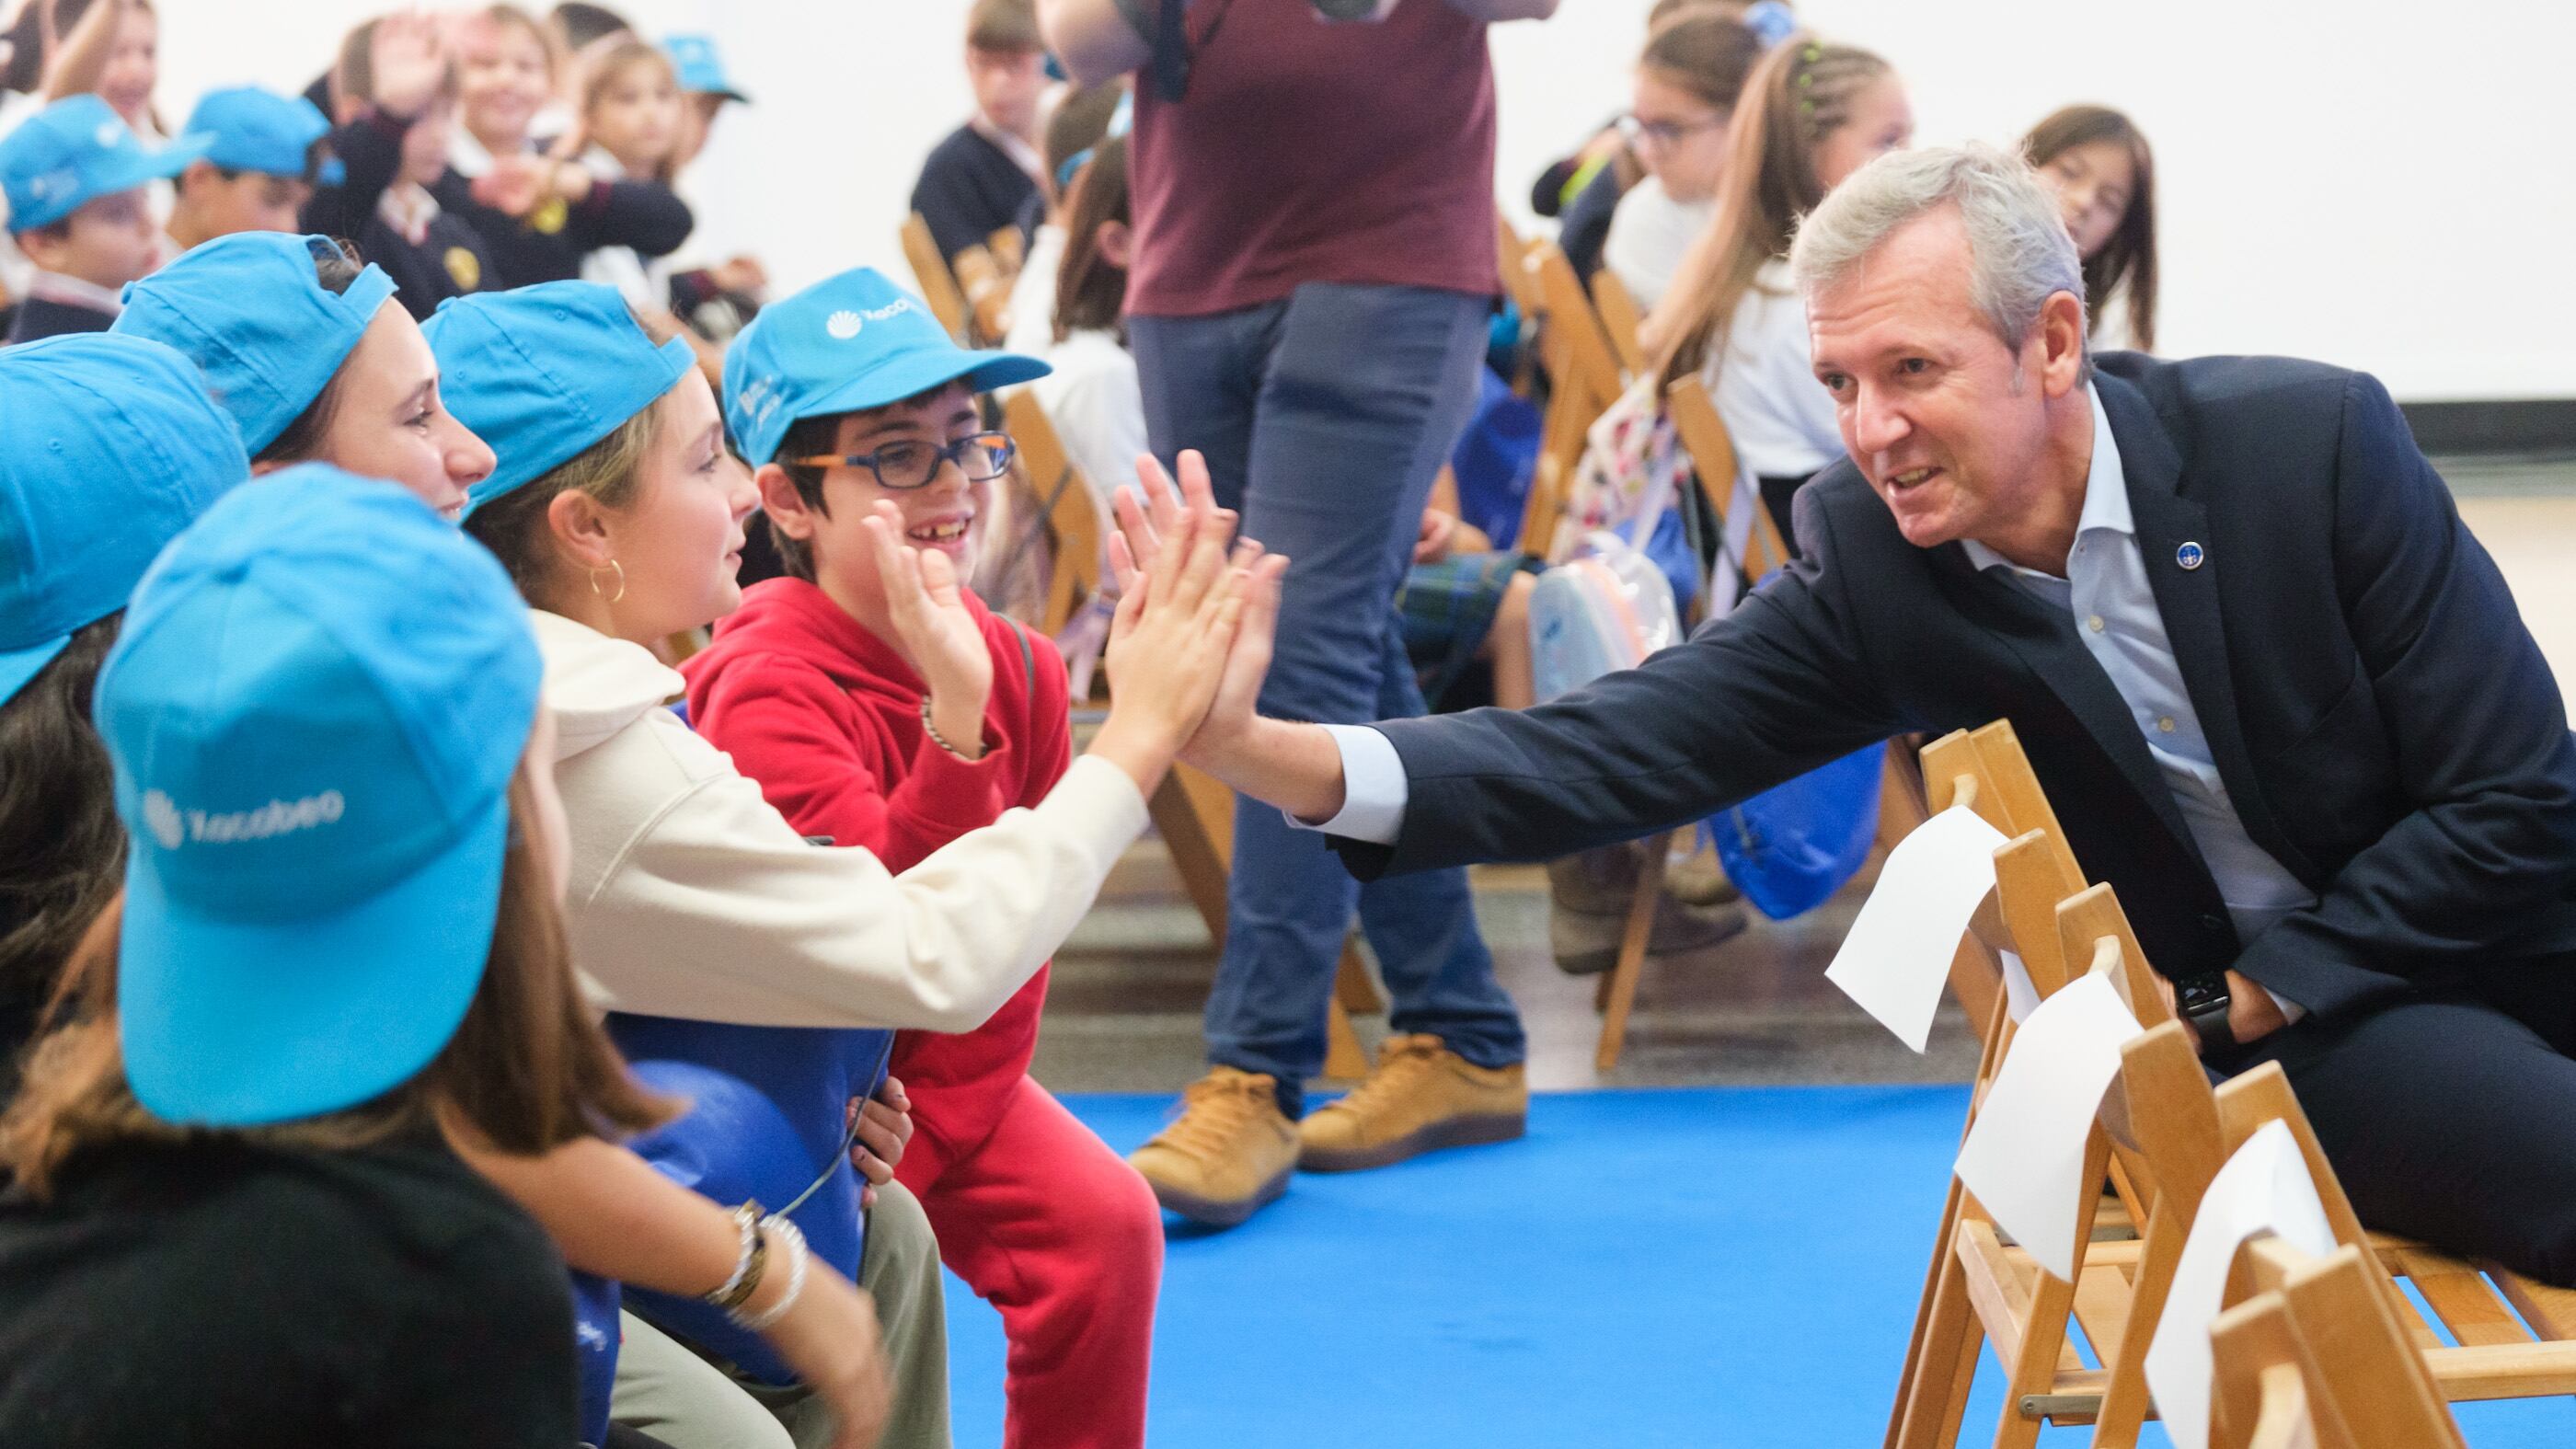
column 1774, row 690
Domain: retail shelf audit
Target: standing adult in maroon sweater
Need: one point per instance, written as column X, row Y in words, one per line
column 1314, row 266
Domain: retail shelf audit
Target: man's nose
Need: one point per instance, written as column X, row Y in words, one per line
column 1877, row 424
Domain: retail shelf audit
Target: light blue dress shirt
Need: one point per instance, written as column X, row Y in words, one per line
column 2105, row 587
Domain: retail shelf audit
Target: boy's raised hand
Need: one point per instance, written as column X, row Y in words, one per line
column 934, row 629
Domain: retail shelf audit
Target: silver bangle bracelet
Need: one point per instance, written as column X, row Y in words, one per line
column 746, row 1220
column 793, row 1239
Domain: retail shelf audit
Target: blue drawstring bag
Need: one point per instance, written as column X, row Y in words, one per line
column 1793, row 845
column 1495, row 459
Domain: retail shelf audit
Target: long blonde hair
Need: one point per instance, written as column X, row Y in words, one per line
column 1800, row 94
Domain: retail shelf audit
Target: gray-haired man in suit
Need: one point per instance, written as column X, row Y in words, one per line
column 2281, row 698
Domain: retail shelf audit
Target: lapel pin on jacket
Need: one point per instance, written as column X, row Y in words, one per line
column 2190, row 556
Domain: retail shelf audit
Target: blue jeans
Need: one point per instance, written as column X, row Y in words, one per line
column 1324, row 419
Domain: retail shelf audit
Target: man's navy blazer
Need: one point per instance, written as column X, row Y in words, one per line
column 2378, row 713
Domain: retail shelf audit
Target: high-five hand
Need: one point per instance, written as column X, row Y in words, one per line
column 1145, row 514
column 1169, row 642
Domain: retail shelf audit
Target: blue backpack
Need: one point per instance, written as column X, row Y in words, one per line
column 1793, row 845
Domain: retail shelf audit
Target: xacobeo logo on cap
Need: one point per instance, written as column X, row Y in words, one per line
column 846, row 324
column 174, row 827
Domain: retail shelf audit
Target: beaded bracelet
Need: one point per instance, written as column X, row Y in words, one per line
column 749, row 1264
column 797, row 1260
column 932, row 730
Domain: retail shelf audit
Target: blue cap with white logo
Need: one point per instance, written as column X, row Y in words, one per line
column 113, row 449
column 75, row 151
column 845, row 344
column 259, row 130
column 701, row 66
column 543, row 372
column 251, row 312
column 315, row 708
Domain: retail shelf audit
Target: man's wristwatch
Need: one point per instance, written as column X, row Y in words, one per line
column 2202, row 1001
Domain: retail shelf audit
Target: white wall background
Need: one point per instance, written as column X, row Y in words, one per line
column 2380, row 184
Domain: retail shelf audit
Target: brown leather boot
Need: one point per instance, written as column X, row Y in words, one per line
column 1228, row 1154
column 1421, row 1097
column 1589, row 895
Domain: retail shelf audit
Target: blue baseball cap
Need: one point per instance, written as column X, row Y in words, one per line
column 75, row 151
column 543, row 372
column 258, row 130
column 701, row 66
column 845, row 344
column 249, row 310
column 314, row 709
column 114, row 448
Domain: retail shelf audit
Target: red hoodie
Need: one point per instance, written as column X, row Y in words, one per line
column 827, row 717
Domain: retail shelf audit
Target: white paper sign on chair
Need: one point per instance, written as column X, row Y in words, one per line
column 2024, row 1157
column 1896, row 958
column 2264, row 1187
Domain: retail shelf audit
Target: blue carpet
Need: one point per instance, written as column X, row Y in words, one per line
column 1723, row 1268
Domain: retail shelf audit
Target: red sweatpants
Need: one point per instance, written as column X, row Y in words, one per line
column 1056, row 1231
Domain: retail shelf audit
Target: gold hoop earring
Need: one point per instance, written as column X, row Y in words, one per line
column 603, row 594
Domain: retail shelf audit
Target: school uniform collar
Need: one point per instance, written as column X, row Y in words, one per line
column 467, row 156
column 1022, row 154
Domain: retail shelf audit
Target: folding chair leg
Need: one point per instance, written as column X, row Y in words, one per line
column 1353, row 987
column 1941, row 1262
column 1343, row 1058
column 1619, row 988
column 2124, row 1398
column 1936, row 1396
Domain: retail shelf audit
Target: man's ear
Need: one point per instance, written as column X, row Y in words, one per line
column 2060, row 339
column 788, row 511
column 200, row 172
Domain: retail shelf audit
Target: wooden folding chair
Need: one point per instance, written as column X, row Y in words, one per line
column 1583, row 376
column 1713, row 463
column 2316, row 1361
column 985, row 274
column 1703, row 436
column 1989, row 1289
column 1070, row 507
column 1985, row 771
column 1620, row 319
column 2508, row 1336
column 2168, row 1128
column 1520, row 285
column 1008, row 247
column 930, row 269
